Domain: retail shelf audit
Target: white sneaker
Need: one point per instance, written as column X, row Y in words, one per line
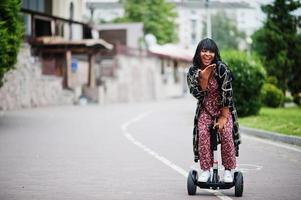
column 228, row 176
column 204, row 176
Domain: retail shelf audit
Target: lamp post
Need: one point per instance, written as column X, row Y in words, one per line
column 208, row 18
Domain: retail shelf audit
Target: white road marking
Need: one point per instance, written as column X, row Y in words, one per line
column 164, row 160
column 277, row 144
column 248, row 167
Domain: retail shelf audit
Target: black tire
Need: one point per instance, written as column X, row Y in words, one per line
column 239, row 184
column 191, row 182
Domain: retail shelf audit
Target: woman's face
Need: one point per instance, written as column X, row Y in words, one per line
column 207, row 56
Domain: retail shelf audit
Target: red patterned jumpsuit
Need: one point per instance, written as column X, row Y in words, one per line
column 212, row 104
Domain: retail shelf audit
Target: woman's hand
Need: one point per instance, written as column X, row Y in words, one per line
column 222, row 120
column 204, row 76
column 205, row 73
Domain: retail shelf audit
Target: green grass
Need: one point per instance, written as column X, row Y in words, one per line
column 281, row 120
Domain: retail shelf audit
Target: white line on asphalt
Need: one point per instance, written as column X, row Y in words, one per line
column 277, row 144
column 164, row 160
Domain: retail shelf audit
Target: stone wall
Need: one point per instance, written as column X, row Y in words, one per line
column 136, row 79
column 26, row 87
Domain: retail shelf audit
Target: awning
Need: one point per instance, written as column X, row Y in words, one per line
column 58, row 43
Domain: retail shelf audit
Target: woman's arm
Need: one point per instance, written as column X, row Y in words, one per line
column 194, row 85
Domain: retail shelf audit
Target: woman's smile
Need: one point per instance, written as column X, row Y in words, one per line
column 207, row 57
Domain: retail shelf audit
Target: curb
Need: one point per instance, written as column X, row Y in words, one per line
column 295, row 140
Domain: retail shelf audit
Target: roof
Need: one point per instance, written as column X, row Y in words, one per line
column 172, row 51
column 61, row 42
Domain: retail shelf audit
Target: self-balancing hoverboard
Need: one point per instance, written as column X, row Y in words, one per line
column 214, row 181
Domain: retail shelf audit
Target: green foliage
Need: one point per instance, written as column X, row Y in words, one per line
column 225, row 32
column 11, row 35
column 271, row 95
column 157, row 16
column 249, row 76
column 294, row 82
column 272, row 79
column 279, row 45
column 297, row 98
column 288, row 99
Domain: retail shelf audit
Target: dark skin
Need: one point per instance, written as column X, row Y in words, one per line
column 204, row 76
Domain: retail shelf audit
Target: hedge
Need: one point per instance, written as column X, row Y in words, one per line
column 249, row 77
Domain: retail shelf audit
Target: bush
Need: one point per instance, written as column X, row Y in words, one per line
column 249, row 76
column 271, row 95
column 11, row 34
column 297, row 99
column 288, row 99
column 272, row 79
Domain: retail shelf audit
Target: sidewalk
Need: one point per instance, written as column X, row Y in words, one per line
column 271, row 135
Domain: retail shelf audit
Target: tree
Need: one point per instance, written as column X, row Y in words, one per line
column 225, row 32
column 11, row 35
column 278, row 44
column 157, row 16
column 294, row 82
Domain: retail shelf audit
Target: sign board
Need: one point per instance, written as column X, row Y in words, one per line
column 74, row 65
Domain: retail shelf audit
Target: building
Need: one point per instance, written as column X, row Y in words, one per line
column 63, row 61
column 51, row 18
column 128, row 34
column 103, row 10
column 65, row 45
column 191, row 16
column 160, row 70
column 57, row 61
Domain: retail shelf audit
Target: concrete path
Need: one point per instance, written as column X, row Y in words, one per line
column 126, row 151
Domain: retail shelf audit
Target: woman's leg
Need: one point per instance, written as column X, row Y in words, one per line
column 227, row 145
column 205, row 152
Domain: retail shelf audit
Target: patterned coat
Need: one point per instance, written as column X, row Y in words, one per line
column 224, row 78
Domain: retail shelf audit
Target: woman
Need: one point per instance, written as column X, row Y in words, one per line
column 210, row 82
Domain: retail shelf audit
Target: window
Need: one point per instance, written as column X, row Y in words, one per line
column 193, row 31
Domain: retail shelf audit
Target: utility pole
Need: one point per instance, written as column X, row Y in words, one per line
column 208, row 23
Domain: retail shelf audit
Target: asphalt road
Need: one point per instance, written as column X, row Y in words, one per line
column 126, row 151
